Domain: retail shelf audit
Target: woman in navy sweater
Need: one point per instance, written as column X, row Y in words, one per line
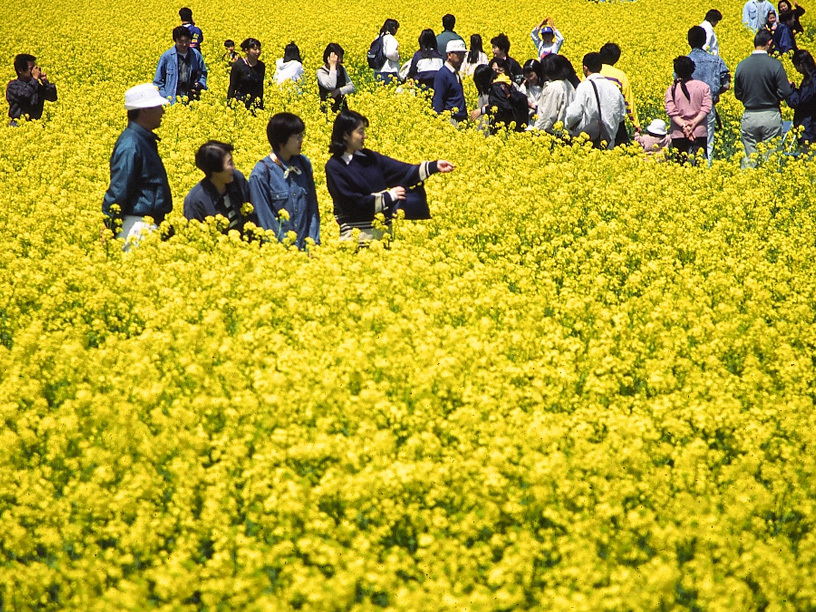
column 363, row 183
column 802, row 99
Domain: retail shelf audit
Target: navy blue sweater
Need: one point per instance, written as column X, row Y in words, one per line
column 448, row 93
column 359, row 188
column 803, row 101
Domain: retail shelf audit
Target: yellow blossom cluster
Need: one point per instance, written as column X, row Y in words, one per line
column 587, row 383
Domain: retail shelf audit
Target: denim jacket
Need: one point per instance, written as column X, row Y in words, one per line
column 138, row 179
column 166, row 78
column 275, row 185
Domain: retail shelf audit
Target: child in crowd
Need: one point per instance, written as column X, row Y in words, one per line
column 231, row 54
column 654, row 139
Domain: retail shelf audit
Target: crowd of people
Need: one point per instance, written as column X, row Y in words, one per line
column 545, row 93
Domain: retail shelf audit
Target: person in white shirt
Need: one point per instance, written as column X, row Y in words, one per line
column 475, row 57
column 712, row 18
column 390, row 69
column 333, row 81
column 546, row 38
column 290, row 66
column 598, row 107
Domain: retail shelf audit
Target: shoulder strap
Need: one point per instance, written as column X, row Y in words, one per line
column 600, row 117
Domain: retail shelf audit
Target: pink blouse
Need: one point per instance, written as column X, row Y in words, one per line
column 682, row 110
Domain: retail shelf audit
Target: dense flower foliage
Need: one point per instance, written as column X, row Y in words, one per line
column 586, row 384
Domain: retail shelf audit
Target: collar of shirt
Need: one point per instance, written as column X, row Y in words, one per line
column 759, row 52
column 449, row 67
column 287, row 168
column 143, row 132
column 346, row 157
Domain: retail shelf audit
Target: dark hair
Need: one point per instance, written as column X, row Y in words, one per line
column 186, row 14
column 211, row 155
column 181, row 32
column 427, row 42
column 448, row 22
column 133, row 114
column 781, row 2
column 500, row 63
column 696, row 37
column 482, row 78
column 291, row 53
column 683, row 67
column 713, row 16
column 762, row 38
column 804, row 59
column 281, row 127
column 786, row 16
column 534, row 66
column 345, row 123
column 250, row 43
column 593, row 62
column 21, row 62
column 332, row 48
column 502, row 42
column 229, row 43
column 391, row 26
column 556, row 67
column 475, row 48
column 610, row 53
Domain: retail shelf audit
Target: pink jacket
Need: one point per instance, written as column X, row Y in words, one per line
column 682, row 110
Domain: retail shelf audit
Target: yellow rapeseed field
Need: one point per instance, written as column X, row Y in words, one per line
column 586, row 384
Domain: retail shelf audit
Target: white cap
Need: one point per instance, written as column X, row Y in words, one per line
column 456, row 46
column 657, row 128
column 144, row 96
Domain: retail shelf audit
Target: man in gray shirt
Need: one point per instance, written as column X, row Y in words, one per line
column 760, row 83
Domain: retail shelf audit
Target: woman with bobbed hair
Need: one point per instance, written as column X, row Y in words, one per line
column 290, row 66
column 332, row 79
column 282, row 187
column 223, row 190
column 688, row 102
column 247, row 76
column 363, row 183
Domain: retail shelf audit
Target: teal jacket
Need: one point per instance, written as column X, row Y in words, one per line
column 138, row 179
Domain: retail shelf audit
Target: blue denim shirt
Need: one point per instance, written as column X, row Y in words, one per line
column 711, row 70
column 276, row 185
column 138, row 179
column 166, row 78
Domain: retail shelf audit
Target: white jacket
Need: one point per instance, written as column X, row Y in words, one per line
column 553, row 102
column 288, row 71
column 391, row 51
column 582, row 113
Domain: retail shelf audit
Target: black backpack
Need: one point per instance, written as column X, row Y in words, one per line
column 511, row 105
column 376, row 54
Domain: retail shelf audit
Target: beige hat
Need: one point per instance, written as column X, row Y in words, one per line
column 144, row 96
column 456, row 46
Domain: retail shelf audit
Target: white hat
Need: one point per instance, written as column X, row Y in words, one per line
column 456, row 46
column 657, row 128
column 144, row 96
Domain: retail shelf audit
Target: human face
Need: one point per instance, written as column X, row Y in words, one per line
column 771, row 18
column 784, row 6
column 355, row 139
column 531, row 78
column 292, row 147
column 183, row 44
column 498, row 52
column 456, row 59
column 27, row 76
column 253, row 53
column 151, row 118
column 227, row 174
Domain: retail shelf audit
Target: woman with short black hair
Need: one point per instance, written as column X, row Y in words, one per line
column 332, row 79
column 282, row 186
column 247, row 76
column 802, row 99
column 223, row 190
column 390, row 69
column 290, row 66
column 363, row 183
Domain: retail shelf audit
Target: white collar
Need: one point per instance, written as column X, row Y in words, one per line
column 449, row 67
column 759, row 52
column 347, row 157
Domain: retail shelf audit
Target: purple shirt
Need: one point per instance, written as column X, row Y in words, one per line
column 682, row 109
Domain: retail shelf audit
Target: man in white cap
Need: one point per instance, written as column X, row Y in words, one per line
column 138, row 184
column 448, row 92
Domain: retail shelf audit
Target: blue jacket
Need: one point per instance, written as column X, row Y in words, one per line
column 138, row 180
column 204, row 201
column 166, row 78
column 275, row 186
column 448, row 93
